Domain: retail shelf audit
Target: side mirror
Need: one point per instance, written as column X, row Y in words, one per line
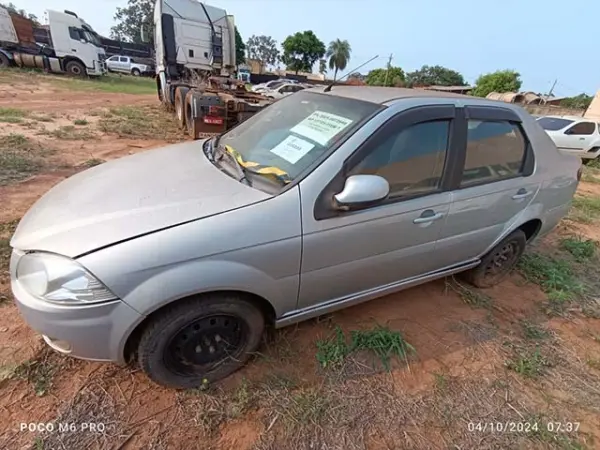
column 83, row 41
column 144, row 34
column 361, row 191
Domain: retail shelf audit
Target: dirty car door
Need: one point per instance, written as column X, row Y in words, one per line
column 345, row 253
column 495, row 183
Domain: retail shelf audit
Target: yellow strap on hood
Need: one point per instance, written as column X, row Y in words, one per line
column 258, row 168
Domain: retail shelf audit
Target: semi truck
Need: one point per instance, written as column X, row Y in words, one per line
column 194, row 46
column 66, row 45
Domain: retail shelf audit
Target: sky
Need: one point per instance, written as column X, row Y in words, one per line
column 544, row 40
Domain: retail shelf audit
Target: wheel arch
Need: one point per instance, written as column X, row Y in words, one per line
column 129, row 346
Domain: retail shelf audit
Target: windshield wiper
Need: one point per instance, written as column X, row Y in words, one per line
column 219, row 151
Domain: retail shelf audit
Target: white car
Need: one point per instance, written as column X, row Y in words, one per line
column 283, row 91
column 574, row 135
column 273, row 84
column 126, row 64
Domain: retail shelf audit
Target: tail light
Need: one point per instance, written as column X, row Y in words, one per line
column 579, row 173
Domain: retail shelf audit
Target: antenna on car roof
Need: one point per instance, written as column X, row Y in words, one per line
column 329, row 86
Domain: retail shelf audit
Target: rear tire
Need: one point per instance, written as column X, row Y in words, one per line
column 499, row 262
column 180, row 106
column 190, row 122
column 75, row 69
column 4, row 61
column 200, row 340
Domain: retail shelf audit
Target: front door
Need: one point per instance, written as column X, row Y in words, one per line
column 497, row 182
column 351, row 252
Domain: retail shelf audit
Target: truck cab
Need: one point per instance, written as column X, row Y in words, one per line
column 77, row 43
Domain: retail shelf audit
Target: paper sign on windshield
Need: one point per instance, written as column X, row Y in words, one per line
column 292, row 148
column 321, row 126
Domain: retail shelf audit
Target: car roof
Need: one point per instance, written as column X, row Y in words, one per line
column 382, row 95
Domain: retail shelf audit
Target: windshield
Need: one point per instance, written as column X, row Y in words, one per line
column 90, row 35
column 292, row 133
column 275, row 85
column 553, row 123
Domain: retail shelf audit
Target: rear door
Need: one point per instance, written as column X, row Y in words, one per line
column 493, row 185
column 124, row 64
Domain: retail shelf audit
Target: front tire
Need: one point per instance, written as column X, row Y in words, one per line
column 4, row 61
column 499, row 262
column 76, row 69
column 136, row 72
column 203, row 339
column 180, row 107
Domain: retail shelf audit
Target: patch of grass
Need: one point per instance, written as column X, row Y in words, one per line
column 585, row 209
column 80, row 122
column 93, row 162
column 42, row 117
column 530, row 364
column 382, row 341
column 555, row 276
column 307, row 407
column 12, row 115
column 140, row 123
column 533, row 331
column 110, row 83
column 70, row 133
column 594, row 363
column 470, row 296
column 19, row 158
column 581, row 249
column 39, row 372
column 589, row 177
column 242, row 399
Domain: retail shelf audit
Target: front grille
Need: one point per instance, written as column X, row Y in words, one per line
column 101, row 57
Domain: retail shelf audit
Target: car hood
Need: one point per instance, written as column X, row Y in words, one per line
column 129, row 197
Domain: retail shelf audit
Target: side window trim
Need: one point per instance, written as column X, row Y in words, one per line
column 404, row 119
column 463, row 115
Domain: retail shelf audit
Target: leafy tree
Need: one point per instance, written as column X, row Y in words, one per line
column 499, row 81
column 240, row 48
column 322, row 66
column 301, row 51
column 21, row 12
column 338, row 53
column 434, row 76
column 263, row 49
column 581, row 101
column 392, row 76
column 130, row 20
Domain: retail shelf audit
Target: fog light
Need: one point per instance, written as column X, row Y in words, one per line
column 57, row 344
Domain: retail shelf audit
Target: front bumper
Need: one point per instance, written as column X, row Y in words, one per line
column 96, row 332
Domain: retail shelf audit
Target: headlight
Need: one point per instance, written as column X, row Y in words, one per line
column 58, row 279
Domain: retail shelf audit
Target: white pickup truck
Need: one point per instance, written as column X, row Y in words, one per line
column 126, row 64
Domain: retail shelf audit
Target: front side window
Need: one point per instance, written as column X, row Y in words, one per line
column 411, row 160
column 495, row 151
column 582, row 129
column 295, row 131
column 113, row 58
column 74, row 33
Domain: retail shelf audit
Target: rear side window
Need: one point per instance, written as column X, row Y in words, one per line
column 495, row 151
column 553, row 123
column 123, row 59
column 582, row 128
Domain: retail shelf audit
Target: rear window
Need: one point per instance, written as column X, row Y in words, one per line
column 553, row 123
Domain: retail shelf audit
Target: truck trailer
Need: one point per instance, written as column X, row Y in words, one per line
column 67, row 45
column 195, row 68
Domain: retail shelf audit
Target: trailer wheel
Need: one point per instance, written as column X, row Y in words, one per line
column 75, row 68
column 4, row 62
column 180, row 107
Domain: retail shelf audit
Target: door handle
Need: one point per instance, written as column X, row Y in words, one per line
column 428, row 216
column 73, row 50
column 522, row 193
column 582, row 139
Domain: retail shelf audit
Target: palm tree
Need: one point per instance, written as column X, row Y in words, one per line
column 338, row 53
